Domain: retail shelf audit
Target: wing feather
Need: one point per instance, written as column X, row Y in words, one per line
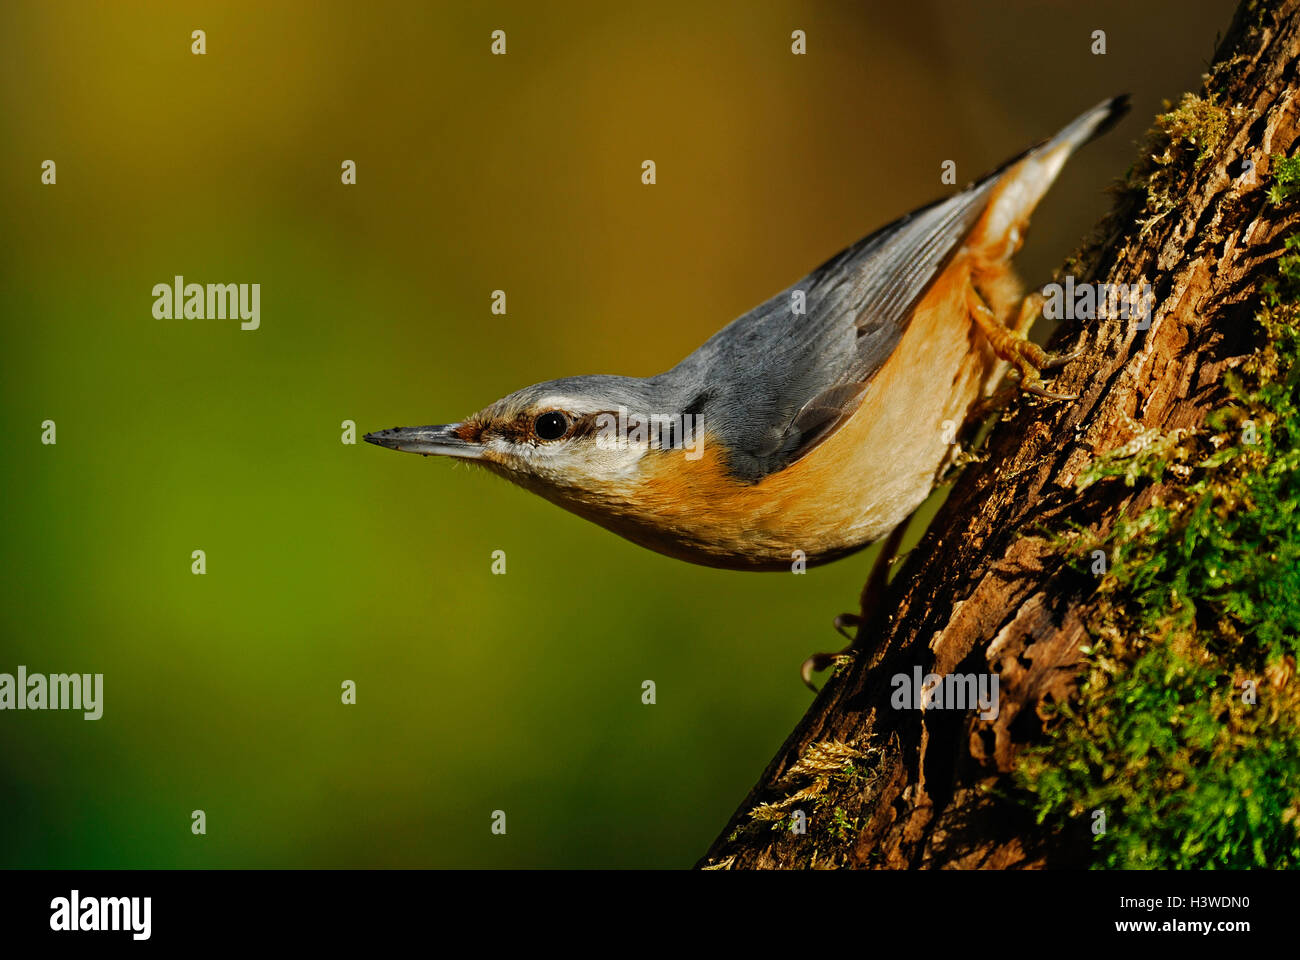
column 774, row 383
column 779, row 382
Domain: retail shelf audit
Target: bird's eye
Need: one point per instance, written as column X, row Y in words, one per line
column 551, row 425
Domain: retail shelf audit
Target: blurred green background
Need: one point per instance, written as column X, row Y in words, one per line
column 329, row 562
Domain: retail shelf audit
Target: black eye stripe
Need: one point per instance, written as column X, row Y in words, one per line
column 551, row 425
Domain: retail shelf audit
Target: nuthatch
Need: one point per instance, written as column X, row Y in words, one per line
column 813, row 423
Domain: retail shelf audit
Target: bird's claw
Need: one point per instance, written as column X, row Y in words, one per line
column 1034, row 387
column 1052, row 361
column 847, row 620
column 816, row 664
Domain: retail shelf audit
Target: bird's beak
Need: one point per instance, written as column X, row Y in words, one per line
column 441, row 441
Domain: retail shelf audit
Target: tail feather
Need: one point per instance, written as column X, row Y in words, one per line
column 1023, row 183
column 1091, row 124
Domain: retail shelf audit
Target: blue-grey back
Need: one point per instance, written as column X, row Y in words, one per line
column 775, row 381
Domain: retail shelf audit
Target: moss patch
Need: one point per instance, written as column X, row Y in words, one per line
column 1185, row 730
column 825, row 775
column 1183, row 137
column 1286, row 179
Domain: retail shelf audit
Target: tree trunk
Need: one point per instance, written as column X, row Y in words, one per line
column 986, row 591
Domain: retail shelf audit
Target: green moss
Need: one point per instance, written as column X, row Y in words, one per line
column 1286, row 179
column 840, row 826
column 824, row 770
column 1181, row 139
column 1145, row 457
column 1197, row 614
column 1195, row 122
column 1287, row 286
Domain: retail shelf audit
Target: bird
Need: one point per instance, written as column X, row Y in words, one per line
column 813, row 425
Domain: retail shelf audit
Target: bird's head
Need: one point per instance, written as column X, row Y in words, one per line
column 579, row 438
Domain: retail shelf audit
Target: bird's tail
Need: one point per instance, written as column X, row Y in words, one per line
column 1024, row 181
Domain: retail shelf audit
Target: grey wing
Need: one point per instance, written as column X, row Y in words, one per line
column 776, row 383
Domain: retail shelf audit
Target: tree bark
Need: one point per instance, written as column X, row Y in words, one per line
column 982, row 594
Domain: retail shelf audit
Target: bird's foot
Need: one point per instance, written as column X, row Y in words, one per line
column 1008, row 344
column 845, row 620
column 820, row 661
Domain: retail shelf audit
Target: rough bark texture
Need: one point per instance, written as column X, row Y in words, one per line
column 978, row 594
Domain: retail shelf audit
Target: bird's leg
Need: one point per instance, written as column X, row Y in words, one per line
column 1010, row 343
column 873, row 592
